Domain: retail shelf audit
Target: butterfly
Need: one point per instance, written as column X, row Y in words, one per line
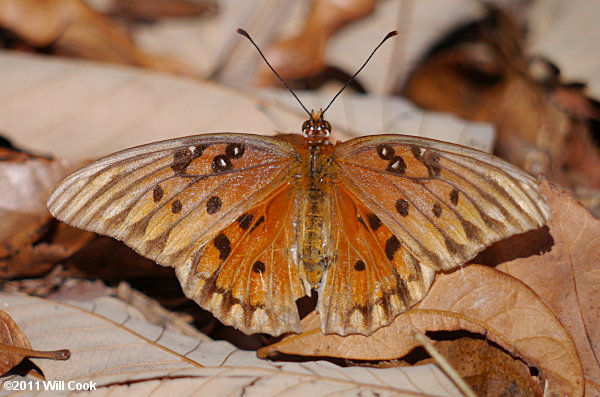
column 252, row 223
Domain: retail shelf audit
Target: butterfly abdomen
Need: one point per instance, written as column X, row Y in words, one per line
column 315, row 206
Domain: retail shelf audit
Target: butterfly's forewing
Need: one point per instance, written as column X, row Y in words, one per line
column 444, row 202
column 371, row 277
column 170, row 199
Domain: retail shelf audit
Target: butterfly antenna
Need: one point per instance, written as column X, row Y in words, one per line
column 245, row 34
column 389, row 35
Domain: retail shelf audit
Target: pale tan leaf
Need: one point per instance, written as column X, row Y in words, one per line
column 84, row 109
column 112, row 346
column 565, row 33
column 28, row 179
column 474, row 298
column 215, row 49
column 567, row 277
column 98, row 109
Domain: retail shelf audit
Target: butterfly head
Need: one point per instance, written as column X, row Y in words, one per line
column 316, row 128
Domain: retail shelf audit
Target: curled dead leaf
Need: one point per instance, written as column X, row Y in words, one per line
column 475, row 298
column 304, row 54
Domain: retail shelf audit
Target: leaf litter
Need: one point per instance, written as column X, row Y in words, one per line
column 537, row 309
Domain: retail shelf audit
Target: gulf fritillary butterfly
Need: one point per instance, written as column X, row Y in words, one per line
column 252, row 223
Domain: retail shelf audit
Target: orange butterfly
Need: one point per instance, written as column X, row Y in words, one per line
column 252, row 223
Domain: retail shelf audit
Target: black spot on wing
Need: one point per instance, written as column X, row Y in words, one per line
column 245, row 220
column 454, row 196
column 374, row 221
column 359, row 266
column 392, row 245
column 396, row 166
column 222, row 243
column 431, row 160
column 221, row 163
column 402, row 207
column 386, row 152
column 176, row 207
column 437, row 210
column 183, row 157
column 258, row 267
column 157, row 193
column 235, row 150
column 258, row 222
column 213, row 205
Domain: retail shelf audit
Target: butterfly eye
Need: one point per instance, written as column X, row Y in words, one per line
column 306, row 127
column 327, row 126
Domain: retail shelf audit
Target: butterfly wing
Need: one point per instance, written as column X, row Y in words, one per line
column 246, row 276
column 371, row 276
column 171, row 201
column 405, row 207
column 444, row 202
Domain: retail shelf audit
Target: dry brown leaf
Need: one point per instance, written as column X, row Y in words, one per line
column 304, row 55
column 474, row 298
column 24, row 219
column 72, row 28
column 19, row 229
column 99, row 109
column 487, row 369
column 567, row 277
column 11, row 335
column 14, row 345
column 150, row 10
column 217, row 51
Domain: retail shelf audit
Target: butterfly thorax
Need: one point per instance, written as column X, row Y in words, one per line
column 315, row 199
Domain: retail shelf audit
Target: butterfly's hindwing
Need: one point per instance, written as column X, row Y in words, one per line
column 246, row 275
column 371, row 277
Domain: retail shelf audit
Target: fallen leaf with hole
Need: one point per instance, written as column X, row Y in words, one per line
column 487, row 369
